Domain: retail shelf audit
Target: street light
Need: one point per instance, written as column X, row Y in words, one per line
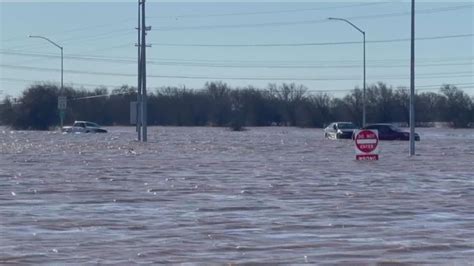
column 412, row 81
column 363, row 96
column 62, row 71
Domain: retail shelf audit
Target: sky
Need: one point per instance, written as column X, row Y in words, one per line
column 241, row 43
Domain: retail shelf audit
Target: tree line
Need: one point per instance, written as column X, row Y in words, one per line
column 217, row 104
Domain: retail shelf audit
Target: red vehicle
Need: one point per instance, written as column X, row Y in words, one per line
column 391, row 132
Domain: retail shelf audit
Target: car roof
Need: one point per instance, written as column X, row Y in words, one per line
column 380, row 124
column 78, row 121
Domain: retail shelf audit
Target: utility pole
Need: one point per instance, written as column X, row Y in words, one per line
column 412, row 81
column 139, row 88
column 142, row 94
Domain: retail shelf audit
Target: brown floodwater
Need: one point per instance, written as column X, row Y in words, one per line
column 208, row 195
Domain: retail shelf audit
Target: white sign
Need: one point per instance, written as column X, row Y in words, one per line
column 366, row 145
column 62, row 102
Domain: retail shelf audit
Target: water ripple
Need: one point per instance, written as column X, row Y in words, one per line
column 208, row 195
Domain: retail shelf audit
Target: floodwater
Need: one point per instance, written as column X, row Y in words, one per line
column 208, row 195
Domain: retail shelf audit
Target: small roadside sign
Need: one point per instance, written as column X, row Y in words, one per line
column 366, row 145
column 62, row 114
column 62, row 102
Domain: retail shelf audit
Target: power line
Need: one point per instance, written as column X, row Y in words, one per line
column 111, row 33
column 268, row 12
column 85, row 28
column 455, row 84
column 384, row 61
column 310, row 62
column 79, row 29
column 97, row 96
column 95, row 37
column 314, row 43
column 431, row 87
column 302, row 22
column 420, row 76
column 223, row 65
column 72, row 84
column 422, row 88
column 418, row 12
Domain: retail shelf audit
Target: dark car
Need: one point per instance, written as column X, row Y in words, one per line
column 340, row 130
column 391, row 132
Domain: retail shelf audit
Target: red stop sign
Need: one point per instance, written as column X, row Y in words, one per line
column 366, row 141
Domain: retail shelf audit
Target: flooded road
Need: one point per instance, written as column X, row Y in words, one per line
column 266, row 195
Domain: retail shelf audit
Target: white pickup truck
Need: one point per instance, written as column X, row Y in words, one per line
column 84, row 127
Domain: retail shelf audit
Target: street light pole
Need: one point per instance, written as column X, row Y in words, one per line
column 364, row 89
column 62, row 70
column 61, row 91
column 412, row 81
column 62, row 58
column 363, row 96
column 139, row 83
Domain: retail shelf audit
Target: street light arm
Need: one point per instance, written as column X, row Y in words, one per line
column 44, row 38
column 364, row 94
column 350, row 23
column 61, row 111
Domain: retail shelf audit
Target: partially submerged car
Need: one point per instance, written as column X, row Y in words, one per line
column 84, row 127
column 340, row 130
column 391, row 132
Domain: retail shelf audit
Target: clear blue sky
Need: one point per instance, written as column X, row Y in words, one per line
column 99, row 38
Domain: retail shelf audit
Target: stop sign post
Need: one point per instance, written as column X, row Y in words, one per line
column 366, row 145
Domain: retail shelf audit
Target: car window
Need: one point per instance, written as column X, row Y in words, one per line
column 384, row 129
column 346, row 126
column 394, row 128
column 92, row 124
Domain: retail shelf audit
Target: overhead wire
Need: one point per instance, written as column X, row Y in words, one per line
column 66, row 84
column 317, row 43
column 213, row 61
column 79, row 29
column 268, row 12
column 433, row 10
column 419, row 76
column 305, row 44
column 112, row 33
column 89, row 27
column 223, row 65
column 430, row 87
column 313, row 21
column 95, row 37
